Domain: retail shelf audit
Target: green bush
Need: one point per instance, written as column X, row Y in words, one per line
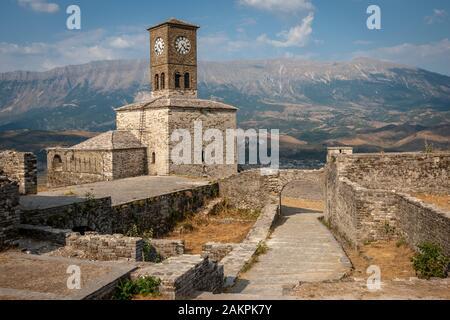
column 145, row 286
column 430, row 262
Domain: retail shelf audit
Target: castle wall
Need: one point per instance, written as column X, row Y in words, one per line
column 9, row 210
column 184, row 118
column 418, row 172
column 254, row 189
column 158, row 213
column 367, row 197
column 21, row 167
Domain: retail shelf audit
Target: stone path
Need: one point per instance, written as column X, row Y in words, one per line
column 300, row 249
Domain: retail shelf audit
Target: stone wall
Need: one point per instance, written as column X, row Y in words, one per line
column 96, row 214
column 217, row 251
column 154, row 134
column 184, row 276
column 416, row 172
column 219, row 120
column 107, row 247
column 167, row 248
column 21, row 167
column 158, row 213
column 9, row 210
column 66, row 167
column 128, row 163
column 44, row 233
column 420, row 222
column 253, row 189
column 366, row 197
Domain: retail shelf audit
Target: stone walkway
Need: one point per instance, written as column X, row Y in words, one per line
column 301, row 249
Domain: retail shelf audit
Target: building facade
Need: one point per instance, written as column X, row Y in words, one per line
column 143, row 143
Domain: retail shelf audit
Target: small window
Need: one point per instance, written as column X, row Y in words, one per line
column 177, row 80
column 156, row 82
column 57, row 164
column 187, row 81
column 153, row 158
column 163, row 81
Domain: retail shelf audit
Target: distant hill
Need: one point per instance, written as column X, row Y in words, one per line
column 369, row 103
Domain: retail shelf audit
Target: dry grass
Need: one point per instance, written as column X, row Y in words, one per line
column 441, row 201
column 228, row 226
column 316, row 205
column 393, row 259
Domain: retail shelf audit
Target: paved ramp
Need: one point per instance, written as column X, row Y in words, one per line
column 301, row 248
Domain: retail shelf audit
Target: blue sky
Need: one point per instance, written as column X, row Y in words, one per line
column 33, row 33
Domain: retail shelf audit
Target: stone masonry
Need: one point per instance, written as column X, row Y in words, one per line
column 9, row 210
column 21, row 167
column 107, row 247
column 143, row 143
column 368, row 197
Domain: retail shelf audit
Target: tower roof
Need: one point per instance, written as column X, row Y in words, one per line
column 175, row 22
column 111, row 140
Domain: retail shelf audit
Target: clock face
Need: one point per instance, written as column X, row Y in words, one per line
column 183, row 45
column 159, row 46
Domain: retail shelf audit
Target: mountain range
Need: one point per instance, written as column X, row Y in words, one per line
column 371, row 104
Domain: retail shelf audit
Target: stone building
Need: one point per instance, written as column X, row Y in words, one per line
column 142, row 143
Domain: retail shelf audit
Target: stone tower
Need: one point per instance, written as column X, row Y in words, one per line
column 173, row 59
column 144, row 142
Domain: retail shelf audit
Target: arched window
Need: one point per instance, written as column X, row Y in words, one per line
column 57, row 164
column 153, row 158
column 187, row 80
column 156, row 82
column 163, row 81
column 177, row 80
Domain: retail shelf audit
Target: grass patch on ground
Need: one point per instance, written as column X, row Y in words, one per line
column 223, row 225
column 260, row 250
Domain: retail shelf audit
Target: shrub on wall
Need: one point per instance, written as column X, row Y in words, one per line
column 431, row 262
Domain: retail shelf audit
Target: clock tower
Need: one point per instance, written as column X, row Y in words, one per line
column 173, row 59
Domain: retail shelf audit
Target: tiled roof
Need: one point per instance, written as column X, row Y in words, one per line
column 178, row 102
column 175, row 22
column 111, row 140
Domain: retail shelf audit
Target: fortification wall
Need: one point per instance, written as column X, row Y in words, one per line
column 375, row 205
column 253, row 189
column 21, row 167
column 157, row 213
column 9, row 210
column 417, row 172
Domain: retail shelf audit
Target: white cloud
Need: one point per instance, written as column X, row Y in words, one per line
column 297, row 36
column 120, row 43
column 439, row 15
column 75, row 48
column 434, row 56
column 39, row 5
column 285, row 6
